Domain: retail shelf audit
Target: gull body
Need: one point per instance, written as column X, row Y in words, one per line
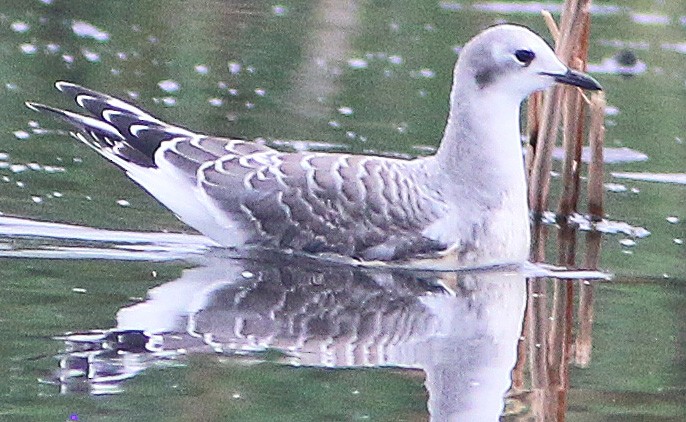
column 464, row 206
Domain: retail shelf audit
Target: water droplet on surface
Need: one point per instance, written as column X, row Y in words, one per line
column 234, row 68
column 20, row 27
column 358, row 63
column 86, row 30
column 91, row 56
column 346, row 111
column 627, row 242
column 279, row 10
column 28, row 48
column 21, row 134
column 169, row 85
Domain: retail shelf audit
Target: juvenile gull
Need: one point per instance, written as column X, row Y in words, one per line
column 464, row 206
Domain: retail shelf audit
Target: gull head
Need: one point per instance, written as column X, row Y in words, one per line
column 512, row 59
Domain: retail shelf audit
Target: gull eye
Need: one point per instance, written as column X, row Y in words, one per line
column 524, row 57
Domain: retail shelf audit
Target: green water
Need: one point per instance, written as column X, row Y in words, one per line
column 365, row 76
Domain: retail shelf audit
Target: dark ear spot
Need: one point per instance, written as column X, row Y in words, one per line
column 484, row 77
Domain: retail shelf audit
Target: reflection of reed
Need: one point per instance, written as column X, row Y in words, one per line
column 541, row 376
column 548, row 343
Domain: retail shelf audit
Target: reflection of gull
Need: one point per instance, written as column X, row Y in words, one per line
column 465, row 205
column 335, row 316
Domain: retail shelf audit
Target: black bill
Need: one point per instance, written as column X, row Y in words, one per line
column 582, row 80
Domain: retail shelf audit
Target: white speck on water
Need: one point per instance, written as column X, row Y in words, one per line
column 279, row 10
column 346, row 111
column 356, row 392
column 233, row 92
column 86, row 30
column 611, row 111
column 247, row 274
column 201, row 69
column 53, row 169
column 20, row 184
column 36, row 199
column 250, row 69
column 20, row 27
column 446, row 5
column 216, row 102
column 169, row 85
column 422, row 93
column 635, row 190
column 122, row 56
column 52, row 48
column 77, row 160
column 234, row 68
column 650, row 19
column 395, row 59
column 57, row 194
column 133, row 94
column 28, row 48
column 4, row 156
column 334, row 124
column 78, row 290
column 123, row 203
column 673, row 219
column 88, row 198
column 21, row 134
column 34, row 166
column 67, row 58
column 350, row 134
column 153, row 273
column 358, row 63
column 615, row 187
column 665, row 275
column 627, row 252
column 260, row 91
column 10, row 86
column 91, row 56
column 679, row 241
column 18, row 168
column 627, row 242
column 169, row 101
column 236, row 396
column 402, row 127
column 426, row 73
column 249, row 105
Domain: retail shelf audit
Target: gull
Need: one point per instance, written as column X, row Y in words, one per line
column 464, row 206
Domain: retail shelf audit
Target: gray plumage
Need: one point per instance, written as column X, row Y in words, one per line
column 467, row 198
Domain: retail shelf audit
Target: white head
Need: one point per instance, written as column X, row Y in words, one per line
column 514, row 60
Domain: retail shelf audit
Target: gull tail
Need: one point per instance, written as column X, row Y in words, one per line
column 114, row 128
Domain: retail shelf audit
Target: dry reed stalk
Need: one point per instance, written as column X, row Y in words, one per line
column 596, row 135
column 570, row 34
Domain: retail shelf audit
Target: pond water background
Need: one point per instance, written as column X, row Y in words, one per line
column 355, row 76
